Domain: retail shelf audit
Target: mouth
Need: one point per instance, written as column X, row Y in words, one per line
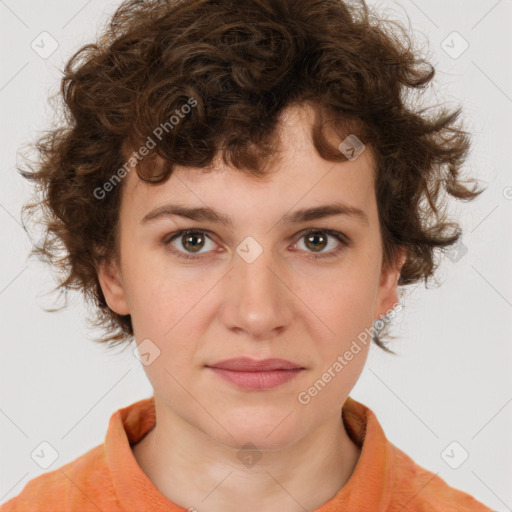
column 246, row 364
column 252, row 374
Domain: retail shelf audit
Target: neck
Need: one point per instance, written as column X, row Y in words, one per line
column 195, row 472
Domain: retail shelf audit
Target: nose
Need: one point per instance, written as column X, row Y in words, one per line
column 257, row 296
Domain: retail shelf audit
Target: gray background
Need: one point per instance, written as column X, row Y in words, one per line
column 451, row 381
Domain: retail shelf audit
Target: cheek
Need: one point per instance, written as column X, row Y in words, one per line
column 343, row 347
column 168, row 309
column 151, row 304
column 158, row 295
column 344, row 302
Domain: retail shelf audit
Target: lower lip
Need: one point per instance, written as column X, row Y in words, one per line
column 257, row 380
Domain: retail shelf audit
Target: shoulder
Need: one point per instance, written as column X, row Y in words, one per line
column 82, row 484
column 416, row 489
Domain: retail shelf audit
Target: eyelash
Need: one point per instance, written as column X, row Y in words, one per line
column 345, row 242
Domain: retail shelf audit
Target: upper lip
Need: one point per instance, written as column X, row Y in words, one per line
column 246, row 364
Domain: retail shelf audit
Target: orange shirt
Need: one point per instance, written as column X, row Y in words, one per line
column 107, row 478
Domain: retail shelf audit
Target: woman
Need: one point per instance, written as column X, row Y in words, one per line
column 241, row 189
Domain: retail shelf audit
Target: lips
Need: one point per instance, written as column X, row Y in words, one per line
column 246, row 364
column 256, row 375
column 253, row 375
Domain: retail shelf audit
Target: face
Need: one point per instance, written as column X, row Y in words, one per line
column 260, row 287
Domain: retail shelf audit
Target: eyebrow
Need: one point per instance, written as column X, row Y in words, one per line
column 296, row 217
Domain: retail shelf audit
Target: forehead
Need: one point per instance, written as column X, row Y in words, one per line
column 297, row 176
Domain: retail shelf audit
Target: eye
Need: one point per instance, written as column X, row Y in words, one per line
column 318, row 239
column 189, row 242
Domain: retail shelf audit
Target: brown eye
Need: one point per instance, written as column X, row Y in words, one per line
column 316, row 241
column 192, row 242
column 189, row 242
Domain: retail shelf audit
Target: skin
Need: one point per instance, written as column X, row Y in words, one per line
column 284, row 304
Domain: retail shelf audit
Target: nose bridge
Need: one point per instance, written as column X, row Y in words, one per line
column 257, row 266
column 257, row 299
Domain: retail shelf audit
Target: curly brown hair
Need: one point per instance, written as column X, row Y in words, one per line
column 241, row 63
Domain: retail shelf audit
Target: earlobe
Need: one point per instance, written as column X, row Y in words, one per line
column 113, row 288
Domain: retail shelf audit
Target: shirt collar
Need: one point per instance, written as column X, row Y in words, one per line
column 368, row 489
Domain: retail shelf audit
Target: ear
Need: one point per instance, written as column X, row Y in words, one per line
column 111, row 282
column 387, row 297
